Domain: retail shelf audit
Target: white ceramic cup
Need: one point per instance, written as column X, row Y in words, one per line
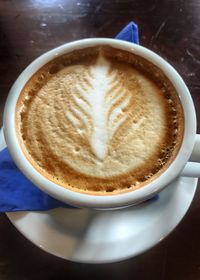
column 190, row 148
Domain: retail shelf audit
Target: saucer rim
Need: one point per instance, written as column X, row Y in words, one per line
column 95, row 260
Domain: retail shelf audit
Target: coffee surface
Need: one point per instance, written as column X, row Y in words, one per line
column 100, row 120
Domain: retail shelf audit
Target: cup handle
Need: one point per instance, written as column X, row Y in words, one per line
column 192, row 168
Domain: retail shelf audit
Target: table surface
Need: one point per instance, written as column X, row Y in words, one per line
column 168, row 27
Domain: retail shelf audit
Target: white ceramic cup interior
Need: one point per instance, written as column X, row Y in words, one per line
column 190, row 147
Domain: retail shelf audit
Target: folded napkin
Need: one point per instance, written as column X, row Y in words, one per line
column 17, row 193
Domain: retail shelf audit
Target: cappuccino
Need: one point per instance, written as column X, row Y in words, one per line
column 100, row 121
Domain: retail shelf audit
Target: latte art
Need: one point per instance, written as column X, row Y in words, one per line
column 100, row 120
column 98, row 103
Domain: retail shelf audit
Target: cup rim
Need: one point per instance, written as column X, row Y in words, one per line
column 108, row 200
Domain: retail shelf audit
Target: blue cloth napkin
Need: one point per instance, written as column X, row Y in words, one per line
column 129, row 33
column 17, row 193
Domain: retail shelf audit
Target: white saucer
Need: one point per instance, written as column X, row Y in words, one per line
column 106, row 236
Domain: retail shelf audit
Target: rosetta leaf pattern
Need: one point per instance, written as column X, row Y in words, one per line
column 98, row 105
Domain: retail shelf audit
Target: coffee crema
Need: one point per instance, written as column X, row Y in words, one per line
column 100, row 120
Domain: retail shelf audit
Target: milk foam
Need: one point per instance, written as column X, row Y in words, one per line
column 100, row 120
column 104, row 113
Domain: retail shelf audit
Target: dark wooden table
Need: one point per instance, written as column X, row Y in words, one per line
column 169, row 27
